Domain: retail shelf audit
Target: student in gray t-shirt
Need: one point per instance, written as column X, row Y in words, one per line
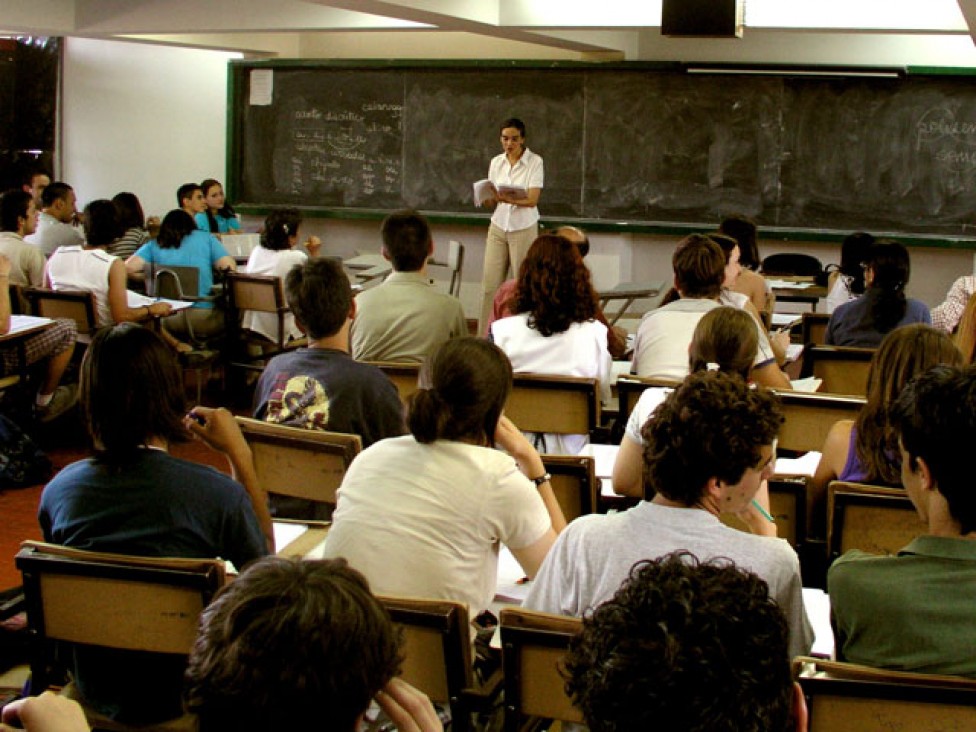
column 709, row 450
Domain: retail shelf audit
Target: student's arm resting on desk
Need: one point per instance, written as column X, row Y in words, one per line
column 118, row 302
column 221, row 433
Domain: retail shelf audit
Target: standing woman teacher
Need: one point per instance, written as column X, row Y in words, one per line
column 515, row 223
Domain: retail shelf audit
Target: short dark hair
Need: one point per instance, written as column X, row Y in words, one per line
column 101, row 223
column 130, row 211
column 513, row 122
column 699, row 267
column 743, row 230
column 713, row 425
column 319, row 294
column 14, row 205
column 176, row 226
column 575, row 235
column 686, row 646
column 186, row 191
column 935, row 417
column 290, row 643
column 406, row 240
column 118, row 409
column 465, row 385
column 279, row 226
column 56, row 191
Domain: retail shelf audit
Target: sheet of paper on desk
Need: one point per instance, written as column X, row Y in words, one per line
column 794, row 351
column 809, row 384
column 803, row 465
column 817, row 604
column 138, row 300
column 604, row 456
column 510, row 586
column 785, row 320
column 25, row 322
column 788, row 285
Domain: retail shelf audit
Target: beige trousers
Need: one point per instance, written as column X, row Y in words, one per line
column 502, row 249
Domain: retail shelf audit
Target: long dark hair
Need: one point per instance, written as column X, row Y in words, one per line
column 465, row 386
column 227, row 211
column 101, row 223
column 890, row 267
column 176, row 226
column 853, row 256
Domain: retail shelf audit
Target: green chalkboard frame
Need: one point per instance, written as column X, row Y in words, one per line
column 236, row 95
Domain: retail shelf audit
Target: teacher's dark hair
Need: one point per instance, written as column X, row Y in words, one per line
column 513, row 122
column 177, row 225
column 131, row 391
column 464, row 387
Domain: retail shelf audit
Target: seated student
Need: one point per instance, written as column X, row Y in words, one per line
column 725, row 339
column 865, row 450
column 181, row 244
column 133, row 497
column 683, row 645
column 57, row 225
column 321, row 386
column 299, row 645
column 965, row 337
column 423, row 515
column 18, row 217
column 53, row 345
column 913, row 611
column 883, row 306
column 947, row 314
column 276, row 256
column 847, row 282
column 35, row 180
column 554, row 330
column 92, row 269
column 405, row 318
column 219, row 217
column 132, row 222
column 190, row 199
column 708, row 450
column 504, row 303
column 661, row 345
column 749, row 282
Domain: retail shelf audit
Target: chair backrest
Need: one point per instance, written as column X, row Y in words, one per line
column 18, row 303
column 843, row 370
column 112, row 600
column 788, row 506
column 630, row 388
column 574, row 483
column 849, row 696
column 436, row 647
column 76, row 305
column 792, row 264
column 533, row 646
column 872, row 518
column 564, row 405
column 809, row 417
column 299, row 463
column 172, row 281
column 455, row 263
column 263, row 293
column 404, row 376
column 813, row 328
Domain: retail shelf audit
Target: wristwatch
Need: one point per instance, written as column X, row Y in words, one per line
column 544, row 478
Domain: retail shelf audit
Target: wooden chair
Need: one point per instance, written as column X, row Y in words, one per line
column 813, row 328
column 788, row 506
column 533, row 646
column 436, row 646
column 574, row 483
column 263, row 294
column 564, row 405
column 872, row 518
column 405, row 376
column 809, row 417
column 76, row 305
column 846, row 696
column 843, row 370
column 112, row 601
column 299, row 463
column 629, row 390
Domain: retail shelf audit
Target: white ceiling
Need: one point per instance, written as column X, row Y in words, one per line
column 845, row 32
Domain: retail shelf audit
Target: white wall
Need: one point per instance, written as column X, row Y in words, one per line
column 142, row 118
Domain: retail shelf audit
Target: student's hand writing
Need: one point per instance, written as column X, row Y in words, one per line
column 218, row 430
column 48, row 712
column 409, row 709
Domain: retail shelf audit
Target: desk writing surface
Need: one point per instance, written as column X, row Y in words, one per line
column 22, row 326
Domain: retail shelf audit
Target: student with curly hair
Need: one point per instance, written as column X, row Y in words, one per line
column 294, row 644
column 554, row 330
column 865, row 450
column 883, row 306
column 686, row 646
column 708, row 450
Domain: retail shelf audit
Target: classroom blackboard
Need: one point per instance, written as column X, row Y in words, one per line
column 622, row 143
